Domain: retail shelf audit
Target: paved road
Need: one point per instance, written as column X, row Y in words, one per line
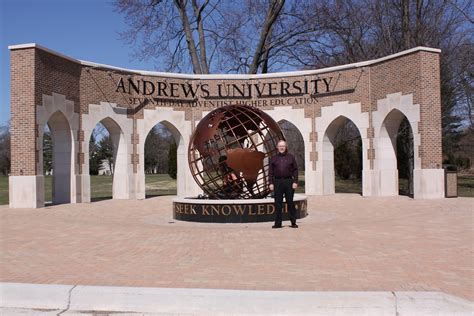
column 348, row 243
column 41, row 300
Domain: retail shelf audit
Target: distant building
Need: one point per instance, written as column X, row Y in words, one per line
column 105, row 168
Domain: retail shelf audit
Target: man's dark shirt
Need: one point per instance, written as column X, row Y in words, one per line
column 283, row 166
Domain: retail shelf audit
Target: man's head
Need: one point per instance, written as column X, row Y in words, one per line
column 281, row 147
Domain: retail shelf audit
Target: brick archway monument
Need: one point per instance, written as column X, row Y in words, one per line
column 71, row 96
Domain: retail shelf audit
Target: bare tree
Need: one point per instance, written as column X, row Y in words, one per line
column 158, row 144
column 358, row 30
column 263, row 47
column 252, row 36
column 405, row 8
column 5, row 158
column 213, row 35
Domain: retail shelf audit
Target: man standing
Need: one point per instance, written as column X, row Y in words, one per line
column 283, row 178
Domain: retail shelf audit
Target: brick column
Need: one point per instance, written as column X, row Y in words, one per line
column 26, row 186
column 429, row 180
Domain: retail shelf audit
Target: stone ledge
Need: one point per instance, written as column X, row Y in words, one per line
column 297, row 197
column 234, row 211
column 48, row 299
column 230, row 76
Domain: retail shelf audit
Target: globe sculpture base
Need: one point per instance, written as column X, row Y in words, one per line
column 233, row 211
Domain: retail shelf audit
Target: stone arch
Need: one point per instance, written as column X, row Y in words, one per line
column 61, row 136
column 304, row 126
column 403, row 104
column 332, row 117
column 120, row 129
column 387, row 143
column 120, row 185
column 302, row 165
column 181, row 131
column 181, row 153
column 389, row 159
column 327, row 154
column 174, row 131
column 386, row 121
column 58, row 114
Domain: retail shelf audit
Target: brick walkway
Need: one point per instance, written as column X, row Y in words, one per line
column 347, row 243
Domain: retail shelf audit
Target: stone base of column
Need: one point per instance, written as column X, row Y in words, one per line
column 138, row 185
column 428, row 183
column 128, row 186
column 26, row 191
column 311, row 185
column 121, row 186
column 318, row 183
column 329, row 181
column 82, row 187
column 380, row 182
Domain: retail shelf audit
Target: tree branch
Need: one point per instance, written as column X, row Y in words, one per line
column 272, row 14
column 202, row 40
column 181, row 6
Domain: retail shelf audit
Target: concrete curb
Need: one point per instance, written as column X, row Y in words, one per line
column 48, row 299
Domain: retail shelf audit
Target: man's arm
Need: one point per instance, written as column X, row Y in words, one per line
column 270, row 172
column 295, row 170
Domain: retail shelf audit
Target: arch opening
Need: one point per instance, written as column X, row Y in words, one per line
column 396, row 138
column 161, row 165
column 107, row 161
column 57, row 159
column 342, row 157
column 296, row 146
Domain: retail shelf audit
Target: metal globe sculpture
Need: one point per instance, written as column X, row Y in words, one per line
column 230, row 150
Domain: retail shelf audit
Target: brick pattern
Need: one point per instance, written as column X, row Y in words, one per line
column 23, row 113
column 36, row 72
column 347, row 243
column 56, row 74
column 430, row 149
column 416, row 74
column 100, row 85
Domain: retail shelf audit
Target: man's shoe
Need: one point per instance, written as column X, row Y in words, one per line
column 276, row 226
column 294, row 226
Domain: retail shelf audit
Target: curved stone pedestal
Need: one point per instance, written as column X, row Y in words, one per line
column 233, row 211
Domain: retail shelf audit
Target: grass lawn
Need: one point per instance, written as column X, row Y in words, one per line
column 349, row 186
column 300, row 188
column 162, row 184
column 3, row 190
column 155, row 185
column 101, row 187
column 159, row 184
column 466, row 186
column 403, row 188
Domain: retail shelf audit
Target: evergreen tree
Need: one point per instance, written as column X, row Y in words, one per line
column 47, row 152
column 172, row 161
column 94, row 159
column 5, row 157
column 106, row 153
column 405, row 157
column 152, row 149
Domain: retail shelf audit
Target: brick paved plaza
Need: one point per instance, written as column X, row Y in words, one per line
column 346, row 243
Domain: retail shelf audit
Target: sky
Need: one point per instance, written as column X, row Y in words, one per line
column 83, row 29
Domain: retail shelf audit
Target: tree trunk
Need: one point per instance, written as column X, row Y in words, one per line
column 272, row 14
column 419, row 6
column 202, row 39
column 266, row 54
column 189, row 36
column 406, row 23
